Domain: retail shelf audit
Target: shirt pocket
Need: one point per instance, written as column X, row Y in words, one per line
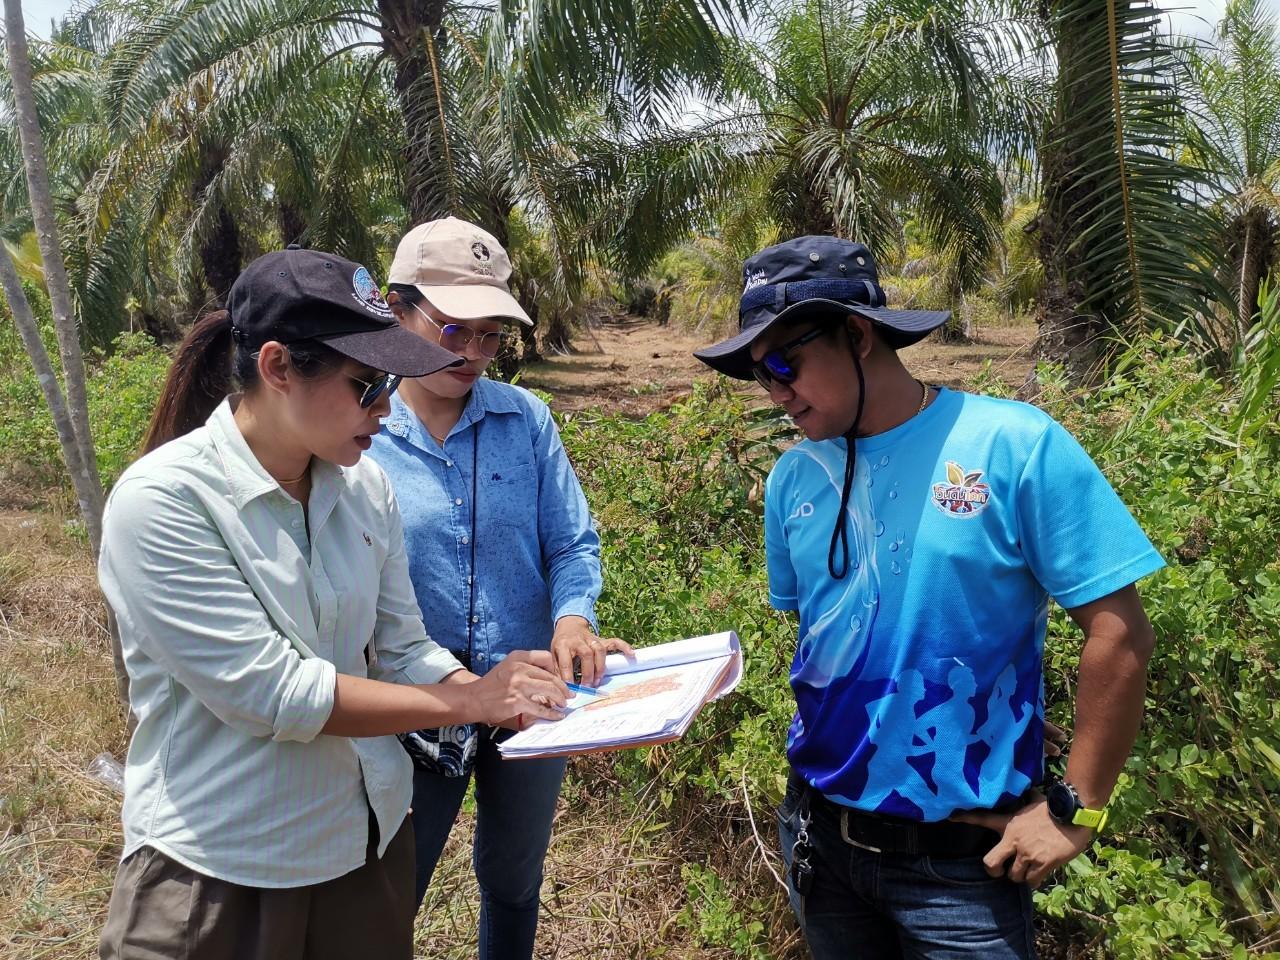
column 509, row 494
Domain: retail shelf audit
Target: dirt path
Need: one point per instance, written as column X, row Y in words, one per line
column 632, row 366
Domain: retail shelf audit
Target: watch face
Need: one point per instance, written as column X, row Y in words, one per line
column 1062, row 802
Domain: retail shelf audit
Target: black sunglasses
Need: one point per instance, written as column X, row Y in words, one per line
column 383, row 383
column 774, row 367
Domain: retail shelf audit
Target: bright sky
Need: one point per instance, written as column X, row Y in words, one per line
column 1187, row 16
column 39, row 13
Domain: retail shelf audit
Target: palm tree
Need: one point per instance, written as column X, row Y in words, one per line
column 846, row 117
column 233, row 123
column 1234, row 132
column 1124, row 245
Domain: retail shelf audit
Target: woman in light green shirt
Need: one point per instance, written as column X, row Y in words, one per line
column 273, row 641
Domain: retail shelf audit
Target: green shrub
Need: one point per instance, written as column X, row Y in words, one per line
column 122, row 388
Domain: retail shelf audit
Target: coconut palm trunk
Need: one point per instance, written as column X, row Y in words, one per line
column 1254, row 241
column 221, row 250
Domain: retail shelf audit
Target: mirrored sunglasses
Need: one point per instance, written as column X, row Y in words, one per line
column 776, row 367
column 372, row 389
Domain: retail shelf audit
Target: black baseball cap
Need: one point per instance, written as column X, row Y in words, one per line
column 297, row 294
column 808, row 276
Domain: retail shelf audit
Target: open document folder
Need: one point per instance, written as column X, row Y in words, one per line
column 651, row 699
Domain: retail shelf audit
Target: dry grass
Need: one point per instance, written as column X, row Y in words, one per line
column 59, row 828
column 613, row 886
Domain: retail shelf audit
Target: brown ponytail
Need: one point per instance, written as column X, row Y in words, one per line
column 199, row 379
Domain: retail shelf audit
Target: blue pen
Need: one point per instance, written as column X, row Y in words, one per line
column 579, row 688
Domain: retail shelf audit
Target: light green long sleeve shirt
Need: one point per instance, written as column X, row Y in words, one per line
column 234, row 625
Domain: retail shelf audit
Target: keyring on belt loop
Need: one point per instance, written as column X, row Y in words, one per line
column 802, row 834
column 802, row 850
column 844, row 833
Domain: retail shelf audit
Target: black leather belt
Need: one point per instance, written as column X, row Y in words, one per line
column 875, row 833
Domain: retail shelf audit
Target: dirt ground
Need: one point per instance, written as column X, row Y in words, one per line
column 633, row 366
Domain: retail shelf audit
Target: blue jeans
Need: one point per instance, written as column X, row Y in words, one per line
column 515, row 804
column 872, row 905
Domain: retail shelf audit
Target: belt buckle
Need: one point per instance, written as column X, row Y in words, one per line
column 844, row 834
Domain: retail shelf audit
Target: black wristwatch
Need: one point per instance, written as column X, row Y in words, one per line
column 1066, row 808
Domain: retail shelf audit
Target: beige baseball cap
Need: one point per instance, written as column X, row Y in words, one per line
column 461, row 270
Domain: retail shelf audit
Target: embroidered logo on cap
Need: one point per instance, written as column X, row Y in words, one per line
column 367, row 292
column 964, row 494
column 755, row 280
column 480, row 251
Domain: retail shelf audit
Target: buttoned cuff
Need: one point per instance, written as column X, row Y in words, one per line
column 308, row 702
column 581, row 607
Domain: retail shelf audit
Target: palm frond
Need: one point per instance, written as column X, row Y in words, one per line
column 1132, row 240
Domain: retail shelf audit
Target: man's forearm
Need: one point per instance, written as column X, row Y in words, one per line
column 1110, row 693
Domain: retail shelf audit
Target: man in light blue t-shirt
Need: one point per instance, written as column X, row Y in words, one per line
column 921, row 564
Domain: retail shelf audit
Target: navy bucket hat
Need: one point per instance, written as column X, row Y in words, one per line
column 799, row 278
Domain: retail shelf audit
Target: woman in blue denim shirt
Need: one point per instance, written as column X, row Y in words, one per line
column 455, row 441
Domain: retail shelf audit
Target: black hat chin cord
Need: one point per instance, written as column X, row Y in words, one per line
column 840, row 535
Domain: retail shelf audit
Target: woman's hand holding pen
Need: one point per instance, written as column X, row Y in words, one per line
column 524, row 683
column 575, row 643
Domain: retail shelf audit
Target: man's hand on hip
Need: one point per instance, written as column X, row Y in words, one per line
column 1032, row 844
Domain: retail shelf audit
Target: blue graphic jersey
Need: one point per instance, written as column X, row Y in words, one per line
column 918, row 677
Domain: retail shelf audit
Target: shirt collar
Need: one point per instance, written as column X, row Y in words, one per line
column 247, row 479
column 486, row 397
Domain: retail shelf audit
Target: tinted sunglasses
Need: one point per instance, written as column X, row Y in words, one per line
column 372, row 389
column 775, row 367
column 454, row 337
column 383, row 383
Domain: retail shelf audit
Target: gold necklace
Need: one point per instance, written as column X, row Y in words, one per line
column 923, row 400
column 300, row 476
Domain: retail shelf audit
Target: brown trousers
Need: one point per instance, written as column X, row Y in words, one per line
column 160, row 910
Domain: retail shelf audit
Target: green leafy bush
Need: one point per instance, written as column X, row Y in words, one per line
column 122, row 390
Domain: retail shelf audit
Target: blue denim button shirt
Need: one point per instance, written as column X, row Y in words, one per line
column 537, row 555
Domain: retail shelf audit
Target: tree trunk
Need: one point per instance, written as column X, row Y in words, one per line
column 220, row 252
column 1253, row 248
column 959, row 329
column 415, row 40
column 1066, row 336
column 527, row 293
column 29, row 330
column 556, row 334
column 290, row 221
column 84, row 467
